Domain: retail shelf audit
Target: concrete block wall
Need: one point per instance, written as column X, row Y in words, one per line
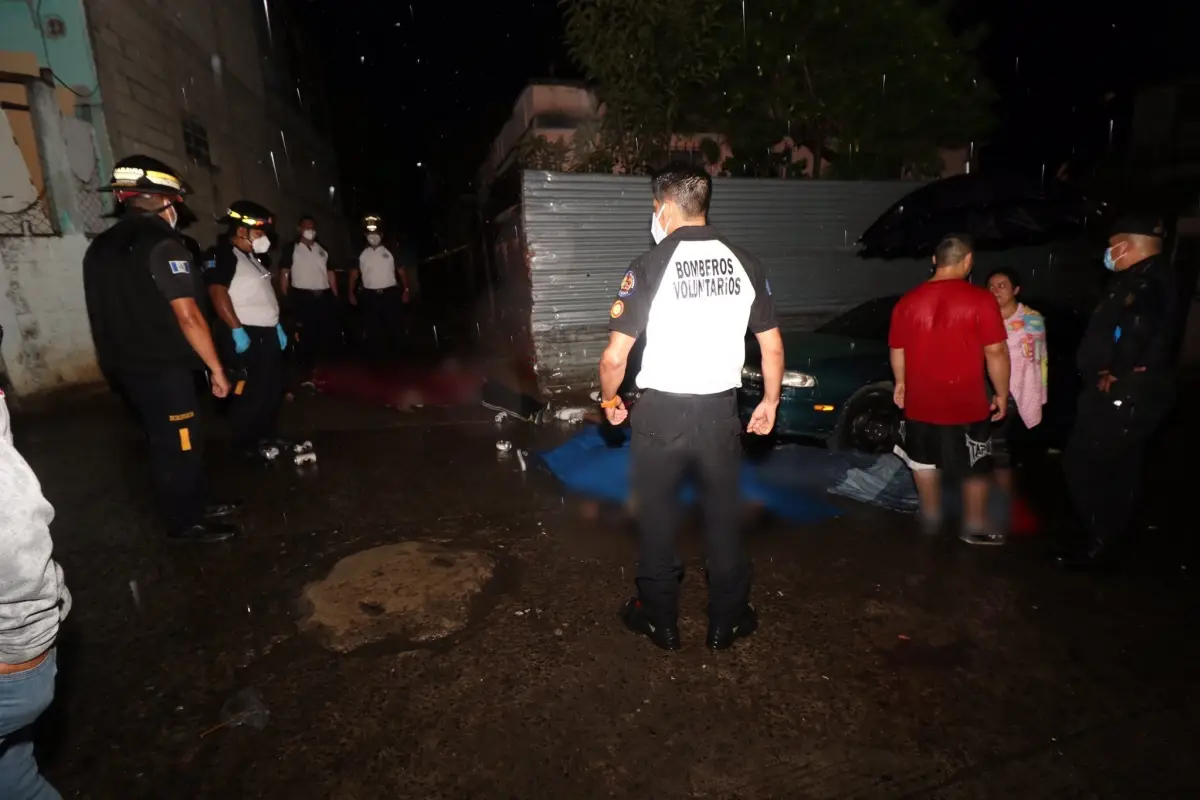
column 159, row 62
column 47, row 340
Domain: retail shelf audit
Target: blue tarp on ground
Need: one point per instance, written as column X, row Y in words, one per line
column 595, row 463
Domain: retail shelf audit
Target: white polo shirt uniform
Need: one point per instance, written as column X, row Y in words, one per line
column 250, row 288
column 378, row 268
column 309, row 267
column 693, row 296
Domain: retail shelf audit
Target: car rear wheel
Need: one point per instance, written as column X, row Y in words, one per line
column 870, row 422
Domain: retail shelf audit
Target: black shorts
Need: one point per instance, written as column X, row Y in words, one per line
column 960, row 451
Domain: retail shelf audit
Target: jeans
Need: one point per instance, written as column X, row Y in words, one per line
column 23, row 698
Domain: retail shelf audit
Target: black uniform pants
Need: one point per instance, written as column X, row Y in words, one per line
column 166, row 403
column 1105, row 458
column 258, row 390
column 316, row 316
column 383, row 321
column 674, row 435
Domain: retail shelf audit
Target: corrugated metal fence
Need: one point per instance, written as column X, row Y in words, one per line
column 582, row 231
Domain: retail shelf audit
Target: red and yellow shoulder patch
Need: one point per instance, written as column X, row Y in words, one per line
column 618, row 308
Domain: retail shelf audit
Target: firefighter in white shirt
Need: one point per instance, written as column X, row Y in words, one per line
column 384, row 291
column 311, row 284
column 692, row 296
column 244, row 298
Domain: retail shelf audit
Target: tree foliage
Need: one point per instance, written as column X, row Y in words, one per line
column 654, row 64
column 583, row 152
column 873, row 86
column 885, row 82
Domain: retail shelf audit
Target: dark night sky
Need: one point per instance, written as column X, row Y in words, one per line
column 432, row 82
column 429, row 83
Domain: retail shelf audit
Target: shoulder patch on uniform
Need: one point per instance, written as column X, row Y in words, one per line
column 618, row 308
column 628, row 284
column 179, row 267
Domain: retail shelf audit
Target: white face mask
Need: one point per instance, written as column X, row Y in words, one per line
column 173, row 215
column 656, row 229
column 374, row 240
column 309, row 234
column 261, row 245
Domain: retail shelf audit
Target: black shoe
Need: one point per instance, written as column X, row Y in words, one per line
column 635, row 618
column 206, row 532
column 722, row 637
column 216, row 510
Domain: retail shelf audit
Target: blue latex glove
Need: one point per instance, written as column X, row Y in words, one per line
column 282, row 336
column 241, row 340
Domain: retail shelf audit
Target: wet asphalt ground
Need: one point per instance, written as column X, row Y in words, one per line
column 885, row 667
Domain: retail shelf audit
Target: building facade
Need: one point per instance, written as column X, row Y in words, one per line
column 226, row 91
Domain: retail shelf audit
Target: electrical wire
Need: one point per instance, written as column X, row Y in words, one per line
column 37, row 12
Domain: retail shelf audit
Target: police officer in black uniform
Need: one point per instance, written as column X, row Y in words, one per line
column 243, row 296
column 1126, row 359
column 693, row 297
column 144, row 301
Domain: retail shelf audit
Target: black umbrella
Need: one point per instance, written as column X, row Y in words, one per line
column 998, row 211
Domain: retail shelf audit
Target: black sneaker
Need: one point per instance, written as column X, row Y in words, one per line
column 225, row 509
column 722, row 637
column 635, row 618
column 205, row 532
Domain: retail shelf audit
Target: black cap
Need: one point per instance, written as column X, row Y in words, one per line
column 247, row 214
column 1142, row 223
column 145, row 175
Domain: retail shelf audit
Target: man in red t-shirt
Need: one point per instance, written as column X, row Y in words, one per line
column 943, row 334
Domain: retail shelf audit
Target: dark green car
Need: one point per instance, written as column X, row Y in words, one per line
column 837, row 383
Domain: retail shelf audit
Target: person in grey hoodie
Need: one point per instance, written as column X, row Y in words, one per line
column 33, row 601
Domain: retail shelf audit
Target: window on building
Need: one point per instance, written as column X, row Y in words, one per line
column 195, row 141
